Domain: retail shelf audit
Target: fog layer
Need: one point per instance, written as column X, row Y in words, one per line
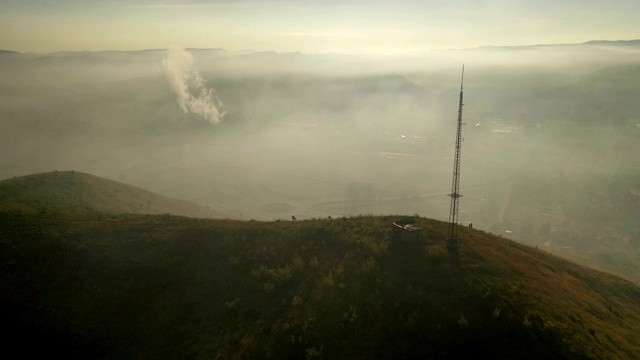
column 550, row 151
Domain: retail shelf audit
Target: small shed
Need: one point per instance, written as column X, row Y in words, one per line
column 407, row 233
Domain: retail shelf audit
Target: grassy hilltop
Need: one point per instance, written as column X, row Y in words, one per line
column 98, row 285
column 77, row 192
column 171, row 287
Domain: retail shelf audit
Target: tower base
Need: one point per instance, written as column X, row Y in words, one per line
column 452, row 245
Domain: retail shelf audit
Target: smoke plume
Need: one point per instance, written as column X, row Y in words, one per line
column 192, row 94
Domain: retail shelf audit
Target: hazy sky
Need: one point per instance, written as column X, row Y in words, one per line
column 353, row 26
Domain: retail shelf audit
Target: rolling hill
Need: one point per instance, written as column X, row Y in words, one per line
column 138, row 286
column 76, row 192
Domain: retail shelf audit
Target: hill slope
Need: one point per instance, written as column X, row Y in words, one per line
column 76, row 192
column 170, row 287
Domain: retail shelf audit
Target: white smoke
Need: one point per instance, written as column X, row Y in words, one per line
column 192, row 94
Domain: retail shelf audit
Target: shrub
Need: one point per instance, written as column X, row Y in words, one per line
column 297, row 264
column 496, row 312
column 312, row 353
column 296, row 301
column 233, row 304
column 370, row 264
column 268, row 286
column 462, row 321
column 328, row 280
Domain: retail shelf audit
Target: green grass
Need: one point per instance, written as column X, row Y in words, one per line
column 79, row 193
column 140, row 286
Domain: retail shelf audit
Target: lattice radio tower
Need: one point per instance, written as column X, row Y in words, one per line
column 452, row 241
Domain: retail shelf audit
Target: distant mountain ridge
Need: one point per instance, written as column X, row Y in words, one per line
column 611, row 43
column 77, row 192
column 614, row 42
column 8, row 54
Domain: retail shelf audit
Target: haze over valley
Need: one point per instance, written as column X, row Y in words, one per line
column 549, row 153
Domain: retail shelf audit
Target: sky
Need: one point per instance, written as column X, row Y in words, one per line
column 326, row 26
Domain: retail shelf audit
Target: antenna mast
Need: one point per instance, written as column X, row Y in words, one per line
column 452, row 241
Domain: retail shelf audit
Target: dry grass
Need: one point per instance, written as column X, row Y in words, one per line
column 165, row 286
